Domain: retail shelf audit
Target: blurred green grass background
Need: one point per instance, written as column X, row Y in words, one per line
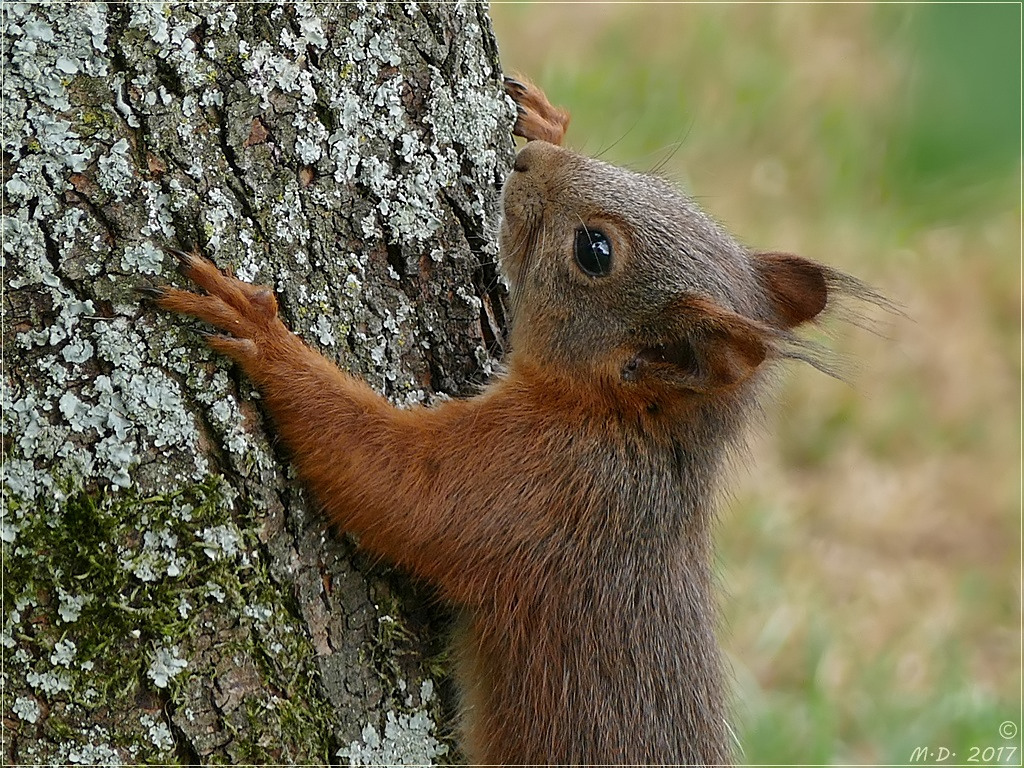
column 870, row 556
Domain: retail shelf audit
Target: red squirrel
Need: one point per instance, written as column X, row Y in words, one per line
column 567, row 509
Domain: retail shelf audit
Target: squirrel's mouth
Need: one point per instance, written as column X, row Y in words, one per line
column 521, row 225
column 517, row 245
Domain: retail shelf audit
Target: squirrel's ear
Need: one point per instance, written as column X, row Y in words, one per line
column 797, row 288
column 716, row 350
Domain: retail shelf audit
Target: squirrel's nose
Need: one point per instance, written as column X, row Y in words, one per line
column 537, row 156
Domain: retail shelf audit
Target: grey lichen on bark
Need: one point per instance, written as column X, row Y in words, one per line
column 170, row 594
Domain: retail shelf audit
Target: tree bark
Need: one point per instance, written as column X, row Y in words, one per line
column 170, row 594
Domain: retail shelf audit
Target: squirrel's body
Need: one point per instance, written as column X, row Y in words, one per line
column 567, row 508
column 572, row 528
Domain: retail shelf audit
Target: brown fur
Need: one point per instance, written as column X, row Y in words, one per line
column 567, row 509
column 536, row 118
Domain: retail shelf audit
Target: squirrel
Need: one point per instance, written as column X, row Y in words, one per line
column 567, row 509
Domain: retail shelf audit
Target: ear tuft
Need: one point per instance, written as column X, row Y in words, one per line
column 797, row 288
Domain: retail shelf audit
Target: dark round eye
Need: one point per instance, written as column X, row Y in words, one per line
column 593, row 252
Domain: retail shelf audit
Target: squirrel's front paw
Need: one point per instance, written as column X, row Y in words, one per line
column 247, row 312
column 537, row 118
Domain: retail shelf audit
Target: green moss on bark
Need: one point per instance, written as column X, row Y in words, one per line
column 111, row 606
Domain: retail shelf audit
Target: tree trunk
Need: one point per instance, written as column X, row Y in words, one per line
column 170, row 595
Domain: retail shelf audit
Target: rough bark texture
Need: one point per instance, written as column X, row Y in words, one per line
column 169, row 594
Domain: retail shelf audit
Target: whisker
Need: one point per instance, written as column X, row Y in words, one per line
column 612, row 146
column 684, row 134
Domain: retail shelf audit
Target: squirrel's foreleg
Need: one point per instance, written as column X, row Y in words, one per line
column 376, row 469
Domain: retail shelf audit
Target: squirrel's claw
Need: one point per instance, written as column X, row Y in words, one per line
column 513, row 84
column 245, row 312
column 536, row 117
column 150, row 292
column 185, row 259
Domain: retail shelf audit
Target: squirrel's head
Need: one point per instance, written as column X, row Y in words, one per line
column 618, row 276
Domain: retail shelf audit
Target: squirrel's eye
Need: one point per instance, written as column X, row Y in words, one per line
column 593, row 252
